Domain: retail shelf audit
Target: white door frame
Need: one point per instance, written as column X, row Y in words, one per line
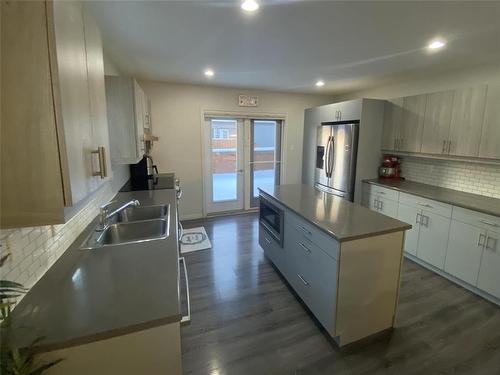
column 246, row 117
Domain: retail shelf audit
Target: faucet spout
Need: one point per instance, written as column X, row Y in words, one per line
column 105, row 216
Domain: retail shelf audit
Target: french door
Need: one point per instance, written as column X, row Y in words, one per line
column 241, row 155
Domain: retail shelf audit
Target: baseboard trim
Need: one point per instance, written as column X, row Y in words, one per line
column 463, row 284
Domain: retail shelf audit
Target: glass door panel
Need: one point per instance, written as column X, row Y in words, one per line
column 265, row 156
column 224, row 144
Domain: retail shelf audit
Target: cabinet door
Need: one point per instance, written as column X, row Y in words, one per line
column 350, row 110
column 489, row 272
column 393, row 112
column 74, row 95
column 465, row 248
column 409, row 215
column 467, row 116
column 139, row 117
column 97, row 95
column 437, row 122
column 120, row 97
column 388, row 207
column 433, row 238
column 412, row 124
column 490, row 134
column 31, row 187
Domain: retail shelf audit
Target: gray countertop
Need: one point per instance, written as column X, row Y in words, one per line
column 338, row 217
column 88, row 295
column 470, row 201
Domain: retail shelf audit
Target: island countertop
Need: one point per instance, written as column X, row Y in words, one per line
column 336, row 216
column 89, row 295
column 475, row 202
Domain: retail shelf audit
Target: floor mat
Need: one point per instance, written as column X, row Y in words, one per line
column 194, row 239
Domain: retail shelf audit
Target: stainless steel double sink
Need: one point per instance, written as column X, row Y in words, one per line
column 132, row 225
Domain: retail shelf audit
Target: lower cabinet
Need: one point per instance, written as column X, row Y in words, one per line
column 489, row 272
column 465, row 249
column 463, row 243
column 411, row 216
column 272, row 249
column 433, row 238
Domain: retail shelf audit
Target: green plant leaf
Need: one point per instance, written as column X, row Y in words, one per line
column 45, row 366
column 3, row 259
column 11, row 284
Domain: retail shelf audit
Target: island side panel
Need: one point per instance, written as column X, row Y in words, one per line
column 153, row 351
column 368, row 282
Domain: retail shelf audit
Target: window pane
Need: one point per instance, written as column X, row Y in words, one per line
column 265, row 156
column 224, row 159
column 264, row 176
column 264, row 140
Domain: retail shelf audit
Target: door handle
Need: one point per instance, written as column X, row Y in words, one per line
column 481, row 237
column 444, row 147
column 418, row 219
column 186, row 318
column 305, row 230
column 327, row 153
column 426, row 221
column 267, row 240
column 449, row 147
column 302, row 279
column 101, row 157
column 494, row 246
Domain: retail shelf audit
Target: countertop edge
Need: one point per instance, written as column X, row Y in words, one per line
column 453, row 203
column 331, row 234
column 84, row 340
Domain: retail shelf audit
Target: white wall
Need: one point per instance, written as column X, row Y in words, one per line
column 176, row 116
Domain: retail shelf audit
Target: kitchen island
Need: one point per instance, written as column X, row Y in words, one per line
column 343, row 260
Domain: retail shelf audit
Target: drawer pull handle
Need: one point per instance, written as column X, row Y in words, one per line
column 425, row 205
column 381, row 192
column 305, row 230
column 489, row 223
column 305, row 248
column 418, row 219
column 303, row 280
column 267, row 240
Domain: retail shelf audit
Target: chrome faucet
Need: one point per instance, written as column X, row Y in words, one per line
column 105, row 216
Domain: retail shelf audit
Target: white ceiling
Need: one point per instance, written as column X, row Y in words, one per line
column 288, row 44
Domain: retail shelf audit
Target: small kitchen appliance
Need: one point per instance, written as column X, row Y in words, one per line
column 390, row 168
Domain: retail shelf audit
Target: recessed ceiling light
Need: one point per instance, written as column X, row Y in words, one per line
column 436, row 44
column 209, row 73
column 249, row 5
column 320, row 83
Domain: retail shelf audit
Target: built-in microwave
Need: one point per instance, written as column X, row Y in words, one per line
column 271, row 218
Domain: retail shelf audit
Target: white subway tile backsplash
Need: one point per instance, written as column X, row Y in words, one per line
column 458, row 175
column 34, row 250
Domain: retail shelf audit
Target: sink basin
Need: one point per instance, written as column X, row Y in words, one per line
column 137, row 231
column 132, row 225
column 142, row 213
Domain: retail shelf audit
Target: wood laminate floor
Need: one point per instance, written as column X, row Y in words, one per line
column 246, row 320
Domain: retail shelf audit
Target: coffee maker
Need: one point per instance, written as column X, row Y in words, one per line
column 144, row 168
column 390, row 168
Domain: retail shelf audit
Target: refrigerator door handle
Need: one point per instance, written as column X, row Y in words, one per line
column 327, row 158
column 330, row 156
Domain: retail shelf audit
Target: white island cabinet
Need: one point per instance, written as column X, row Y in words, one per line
column 349, row 279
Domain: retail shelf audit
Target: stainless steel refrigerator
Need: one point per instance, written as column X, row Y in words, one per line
column 336, row 151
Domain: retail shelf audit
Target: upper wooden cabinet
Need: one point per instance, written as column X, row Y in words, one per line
column 412, row 123
column 393, row 114
column 129, row 119
column 462, row 122
column 490, row 135
column 50, row 127
column 437, row 122
column 467, row 116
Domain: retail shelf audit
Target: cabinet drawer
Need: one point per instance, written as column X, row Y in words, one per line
column 479, row 219
column 313, row 274
column 438, row 208
column 384, row 192
column 388, row 207
column 327, row 243
column 271, row 248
